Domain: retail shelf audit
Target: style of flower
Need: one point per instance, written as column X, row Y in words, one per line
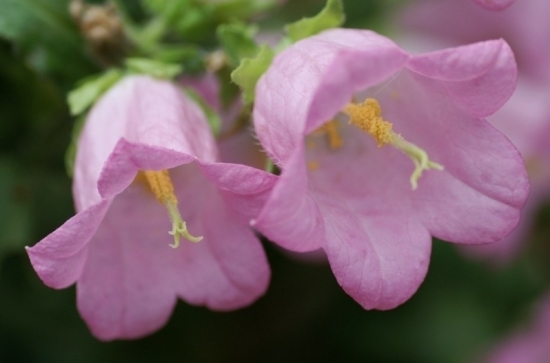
column 380, row 150
column 146, row 179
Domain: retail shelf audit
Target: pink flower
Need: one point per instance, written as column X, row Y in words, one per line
column 495, row 4
column 525, row 119
column 146, row 166
column 529, row 345
column 236, row 141
column 524, row 26
column 320, row 111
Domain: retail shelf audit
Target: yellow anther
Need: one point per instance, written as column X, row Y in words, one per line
column 331, row 130
column 368, row 117
column 161, row 185
column 312, row 165
column 334, row 139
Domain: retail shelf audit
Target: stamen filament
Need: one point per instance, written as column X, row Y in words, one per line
column 163, row 189
column 367, row 117
column 419, row 158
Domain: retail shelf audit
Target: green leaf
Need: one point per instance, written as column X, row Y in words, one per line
column 332, row 16
column 153, row 68
column 45, row 34
column 238, row 40
column 242, row 9
column 250, row 70
column 90, row 89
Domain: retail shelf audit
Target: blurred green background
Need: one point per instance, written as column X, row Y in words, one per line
column 462, row 308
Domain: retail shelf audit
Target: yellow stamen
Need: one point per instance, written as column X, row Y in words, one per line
column 331, row 130
column 334, row 138
column 312, row 165
column 161, row 185
column 368, row 117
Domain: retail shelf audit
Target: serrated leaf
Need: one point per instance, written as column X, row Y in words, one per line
column 90, row 89
column 238, row 40
column 153, row 68
column 250, row 70
column 332, row 16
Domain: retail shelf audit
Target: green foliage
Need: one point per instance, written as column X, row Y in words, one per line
column 90, row 89
column 14, row 209
column 45, row 35
column 195, row 20
column 238, row 40
column 153, row 68
column 331, row 16
column 250, row 70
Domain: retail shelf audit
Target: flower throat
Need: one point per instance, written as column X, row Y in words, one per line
column 161, row 185
column 367, row 116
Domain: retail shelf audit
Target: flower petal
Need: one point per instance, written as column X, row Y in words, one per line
column 480, row 77
column 245, row 189
column 310, row 82
column 59, row 258
column 125, row 291
column 143, row 111
column 495, row 4
column 380, row 260
column 290, row 216
column 479, row 195
column 228, row 268
column 128, row 158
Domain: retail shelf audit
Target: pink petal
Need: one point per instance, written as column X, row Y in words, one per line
column 128, row 158
column 380, row 261
column 228, row 268
column 484, row 183
column 290, row 216
column 244, row 189
column 459, row 22
column 125, row 290
column 495, row 4
column 297, row 94
column 479, row 77
column 59, row 258
column 143, row 111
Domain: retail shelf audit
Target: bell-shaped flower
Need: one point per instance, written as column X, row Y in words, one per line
column 236, row 141
column 524, row 26
column 157, row 217
column 380, row 150
column 525, row 118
